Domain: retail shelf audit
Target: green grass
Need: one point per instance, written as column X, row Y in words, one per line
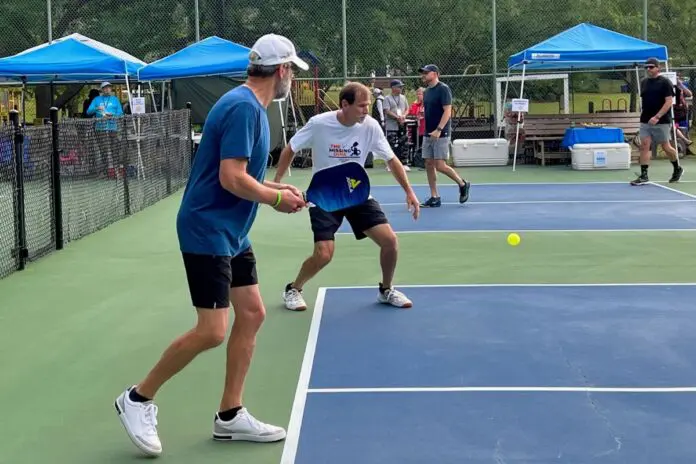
column 80, row 325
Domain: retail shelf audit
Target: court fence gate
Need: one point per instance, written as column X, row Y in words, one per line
column 66, row 179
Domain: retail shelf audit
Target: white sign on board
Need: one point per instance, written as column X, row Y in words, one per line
column 138, row 105
column 520, row 105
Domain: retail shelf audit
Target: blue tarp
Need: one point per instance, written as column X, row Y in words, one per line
column 74, row 58
column 212, row 56
column 588, row 46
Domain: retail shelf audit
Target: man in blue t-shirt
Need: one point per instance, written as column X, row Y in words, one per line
column 437, row 111
column 218, row 209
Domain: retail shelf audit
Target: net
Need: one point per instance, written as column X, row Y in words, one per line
column 108, row 171
column 8, row 229
column 92, row 195
column 111, row 171
column 38, row 194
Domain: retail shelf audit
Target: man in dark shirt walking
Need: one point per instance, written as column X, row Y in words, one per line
column 437, row 103
column 657, row 93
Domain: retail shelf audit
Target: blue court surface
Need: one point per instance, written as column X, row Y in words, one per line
column 538, row 207
column 499, row 374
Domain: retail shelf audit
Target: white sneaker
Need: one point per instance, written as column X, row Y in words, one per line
column 140, row 421
column 246, row 427
column 395, row 298
column 294, row 301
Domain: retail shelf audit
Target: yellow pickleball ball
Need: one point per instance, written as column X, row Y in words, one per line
column 513, row 239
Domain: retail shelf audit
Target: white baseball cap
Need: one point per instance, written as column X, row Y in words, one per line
column 272, row 49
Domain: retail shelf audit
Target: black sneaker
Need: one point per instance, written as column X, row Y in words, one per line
column 464, row 192
column 677, row 175
column 432, row 202
column 640, row 180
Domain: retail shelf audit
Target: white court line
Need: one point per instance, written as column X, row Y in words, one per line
column 294, row 427
column 532, row 202
column 491, row 231
column 505, row 389
column 293, row 434
column 323, row 290
column 298, row 407
column 673, row 190
column 474, row 184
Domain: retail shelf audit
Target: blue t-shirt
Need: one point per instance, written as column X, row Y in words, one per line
column 434, row 99
column 211, row 220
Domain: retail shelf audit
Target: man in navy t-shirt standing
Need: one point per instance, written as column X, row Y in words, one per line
column 217, row 211
column 437, row 103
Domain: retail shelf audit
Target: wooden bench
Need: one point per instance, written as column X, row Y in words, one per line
column 542, row 128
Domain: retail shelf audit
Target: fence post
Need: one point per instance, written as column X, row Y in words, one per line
column 122, row 160
column 21, row 251
column 190, row 132
column 56, row 187
column 165, row 122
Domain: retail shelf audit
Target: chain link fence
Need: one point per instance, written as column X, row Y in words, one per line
column 106, row 173
column 106, row 177
column 38, row 192
column 381, row 36
column 380, row 39
column 8, row 223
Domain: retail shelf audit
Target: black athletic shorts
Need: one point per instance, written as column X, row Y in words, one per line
column 361, row 218
column 211, row 277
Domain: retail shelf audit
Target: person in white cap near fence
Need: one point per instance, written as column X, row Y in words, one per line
column 218, row 208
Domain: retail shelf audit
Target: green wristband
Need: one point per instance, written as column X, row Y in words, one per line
column 278, row 199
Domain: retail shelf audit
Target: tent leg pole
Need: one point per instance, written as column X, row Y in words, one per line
column 519, row 113
column 502, row 108
column 152, row 94
column 282, row 124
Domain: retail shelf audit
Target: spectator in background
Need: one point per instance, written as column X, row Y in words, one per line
column 395, row 108
column 418, row 110
column 681, row 110
column 106, row 107
column 378, row 108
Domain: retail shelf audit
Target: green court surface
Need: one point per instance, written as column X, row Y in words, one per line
column 80, row 325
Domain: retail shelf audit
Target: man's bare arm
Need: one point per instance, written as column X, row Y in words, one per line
column 234, row 179
column 286, row 157
column 273, row 185
column 399, row 173
column 665, row 108
column 447, row 113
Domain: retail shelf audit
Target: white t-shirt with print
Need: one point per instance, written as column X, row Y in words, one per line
column 333, row 143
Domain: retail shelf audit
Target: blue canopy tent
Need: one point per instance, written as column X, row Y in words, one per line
column 584, row 46
column 74, row 58
column 212, row 56
column 70, row 59
column 587, row 46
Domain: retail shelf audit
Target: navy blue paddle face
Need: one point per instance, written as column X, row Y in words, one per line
column 339, row 187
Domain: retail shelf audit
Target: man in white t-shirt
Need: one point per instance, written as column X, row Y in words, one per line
column 348, row 134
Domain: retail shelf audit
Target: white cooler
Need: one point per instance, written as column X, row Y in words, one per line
column 480, row 152
column 600, row 156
